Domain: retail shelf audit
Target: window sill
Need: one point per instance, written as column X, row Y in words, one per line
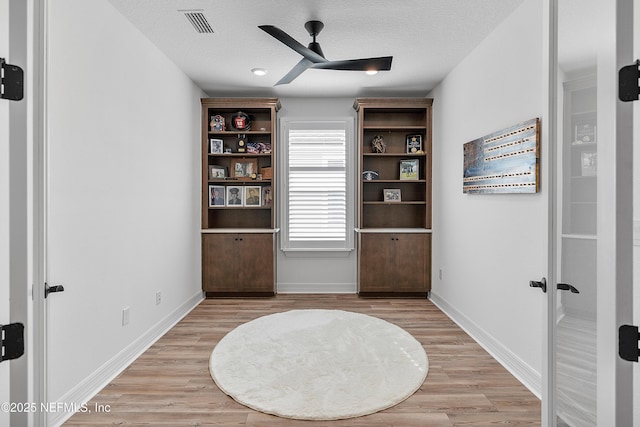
column 316, row 253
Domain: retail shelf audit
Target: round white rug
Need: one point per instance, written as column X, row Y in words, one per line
column 318, row 364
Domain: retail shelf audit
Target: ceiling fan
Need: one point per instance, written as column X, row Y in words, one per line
column 313, row 57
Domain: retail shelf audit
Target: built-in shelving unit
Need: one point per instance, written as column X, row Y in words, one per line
column 238, row 195
column 394, row 209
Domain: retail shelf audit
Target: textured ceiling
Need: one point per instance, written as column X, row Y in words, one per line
column 426, row 38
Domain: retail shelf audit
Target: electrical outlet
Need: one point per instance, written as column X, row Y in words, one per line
column 158, row 297
column 125, row 316
column 440, row 274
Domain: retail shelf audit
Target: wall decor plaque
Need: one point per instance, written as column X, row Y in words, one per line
column 507, row 161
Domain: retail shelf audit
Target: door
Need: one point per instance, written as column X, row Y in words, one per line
column 591, row 284
column 4, row 211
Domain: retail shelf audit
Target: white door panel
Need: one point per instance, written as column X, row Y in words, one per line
column 591, row 386
column 4, row 211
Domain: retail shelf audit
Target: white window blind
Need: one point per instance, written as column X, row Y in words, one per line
column 317, row 206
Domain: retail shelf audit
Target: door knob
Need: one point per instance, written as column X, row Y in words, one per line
column 542, row 284
column 51, row 289
column 567, row 287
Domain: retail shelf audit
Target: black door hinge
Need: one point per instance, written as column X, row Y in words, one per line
column 628, row 337
column 628, row 87
column 11, row 341
column 11, row 81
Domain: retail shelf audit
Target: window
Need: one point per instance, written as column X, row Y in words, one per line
column 318, row 200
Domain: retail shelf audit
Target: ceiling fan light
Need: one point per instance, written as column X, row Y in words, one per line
column 259, row 71
column 371, row 72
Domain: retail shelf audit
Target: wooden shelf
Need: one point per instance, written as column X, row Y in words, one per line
column 395, row 203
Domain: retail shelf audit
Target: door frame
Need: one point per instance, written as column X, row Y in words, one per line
column 26, row 43
column 614, row 225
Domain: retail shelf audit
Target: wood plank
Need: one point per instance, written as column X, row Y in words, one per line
column 170, row 385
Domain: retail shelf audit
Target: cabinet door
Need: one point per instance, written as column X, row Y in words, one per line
column 220, row 263
column 411, row 263
column 256, row 271
column 377, row 262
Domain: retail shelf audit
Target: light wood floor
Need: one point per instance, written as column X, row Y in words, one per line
column 169, row 385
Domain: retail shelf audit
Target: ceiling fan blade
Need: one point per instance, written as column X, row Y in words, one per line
column 380, row 64
column 285, row 38
column 295, row 71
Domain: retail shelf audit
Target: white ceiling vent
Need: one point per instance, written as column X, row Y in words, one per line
column 198, row 20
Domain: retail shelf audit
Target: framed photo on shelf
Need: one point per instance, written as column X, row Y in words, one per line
column 252, row 195
column 217, row 172
column 584, row 133
column 216, row 146
column 589, row 163
column 267, row 196
column 216, row 195
column 244, row 168
column 392, row 195
column 409, row 169
column 235, row 195
column 414, row 143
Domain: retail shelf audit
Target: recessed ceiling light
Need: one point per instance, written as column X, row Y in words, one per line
column 371, row 72
column 259, row 71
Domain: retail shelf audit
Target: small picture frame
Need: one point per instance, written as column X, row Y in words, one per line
column 235, row 195
column 253, row 195
column 244, row 168
column 216, row 195
column 392, row 195
column 409, row 170
column 585, row 133
column 217, row 172
column 267, row 196
column 414, row 144
column 589, row 163
column 216, row 146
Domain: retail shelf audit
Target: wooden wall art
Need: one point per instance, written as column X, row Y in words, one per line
column 507, row 161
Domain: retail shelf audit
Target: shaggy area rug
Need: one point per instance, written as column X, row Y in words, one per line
column 318, row 364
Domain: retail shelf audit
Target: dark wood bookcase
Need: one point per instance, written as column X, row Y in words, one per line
column 238, row 241
column 394, row 209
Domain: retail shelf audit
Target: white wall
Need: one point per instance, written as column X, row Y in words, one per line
column 124, row 177
column 317, row 273
column 489, row 246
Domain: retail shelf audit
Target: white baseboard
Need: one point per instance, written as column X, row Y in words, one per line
column 317, row 288
column 528, row 376
column 95, row 382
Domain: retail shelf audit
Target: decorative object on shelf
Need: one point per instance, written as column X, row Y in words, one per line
column 589, row 163
column 235, row 196
column 241, row 143
column 216, row 146
column 414, row 144
column 409, row 169
column 506, row 161
column 266, row 172
column 267, row 197
column 217, row 123
column 244, row 168
column 259, row 147
column 241, row 121
column 392, row 195
column 370, row 175
column 253, row 196
column 378, row 145
column 216, row 195
column 217, row 172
